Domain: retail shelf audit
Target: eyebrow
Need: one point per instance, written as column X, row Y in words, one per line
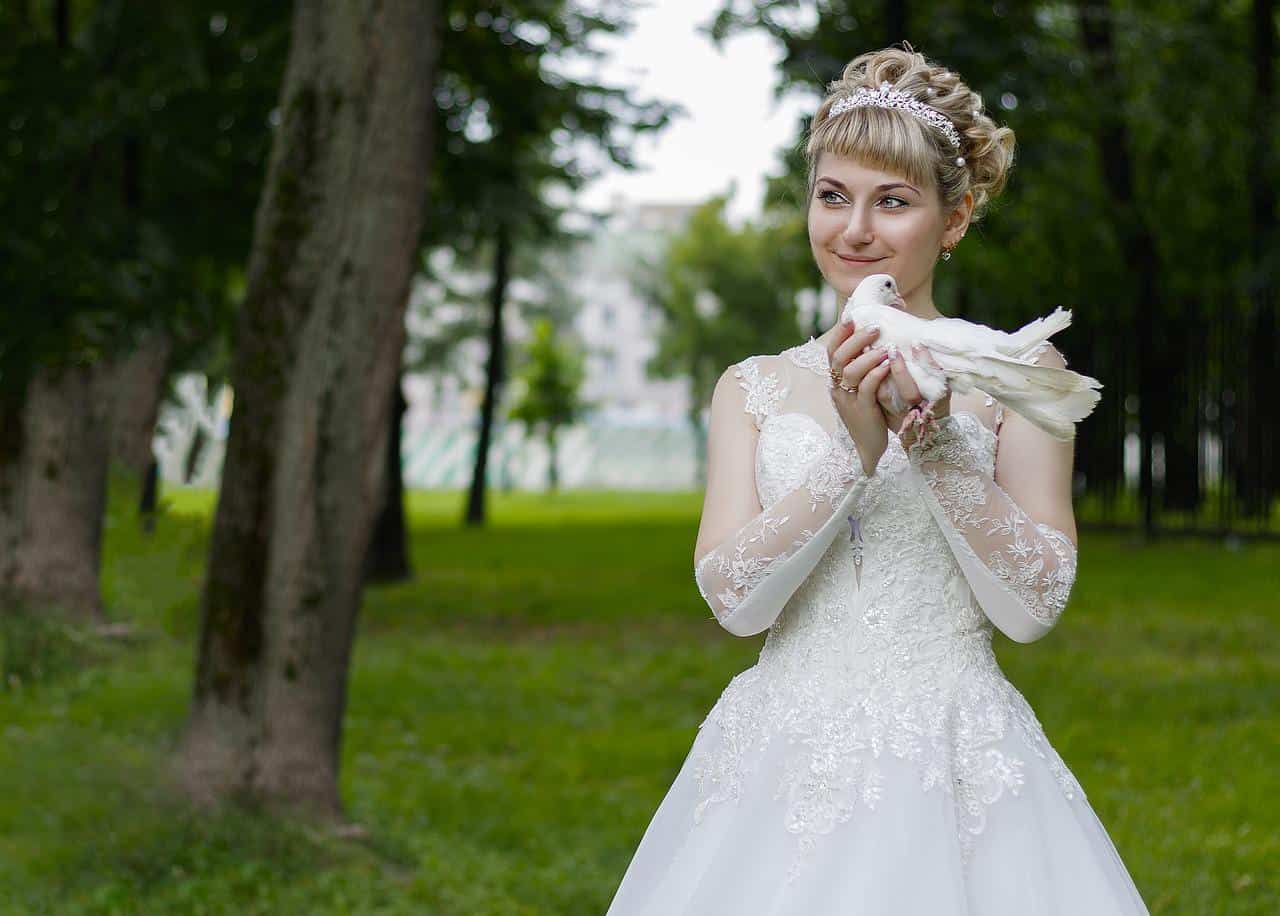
column 879, row 187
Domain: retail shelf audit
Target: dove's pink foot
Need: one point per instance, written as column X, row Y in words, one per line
column 920, row 415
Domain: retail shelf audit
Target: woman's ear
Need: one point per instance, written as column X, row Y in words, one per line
column 959, row 217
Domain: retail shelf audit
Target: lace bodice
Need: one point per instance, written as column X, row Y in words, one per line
column 882, row 647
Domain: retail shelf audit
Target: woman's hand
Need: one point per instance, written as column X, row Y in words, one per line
column 861, row 367
column 912, row 397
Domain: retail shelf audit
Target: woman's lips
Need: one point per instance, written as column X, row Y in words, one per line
column 858, row 260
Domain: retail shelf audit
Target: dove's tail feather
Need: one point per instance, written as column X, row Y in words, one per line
column 1052, row 398
column 1058, row 418
column 1022, row 342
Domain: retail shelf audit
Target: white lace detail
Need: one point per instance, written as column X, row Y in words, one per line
column 733, row 570
column 810, row 355
column 789, row 442
column 1035, row 561
column 764, row 390
column 896, row 661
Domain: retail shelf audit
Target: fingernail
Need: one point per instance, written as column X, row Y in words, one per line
column 873, row 327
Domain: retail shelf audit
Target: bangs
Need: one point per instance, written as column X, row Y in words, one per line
column 876, row 138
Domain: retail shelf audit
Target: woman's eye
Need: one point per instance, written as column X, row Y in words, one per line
column 823, row 196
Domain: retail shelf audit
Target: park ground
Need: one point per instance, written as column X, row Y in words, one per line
column 517, row 712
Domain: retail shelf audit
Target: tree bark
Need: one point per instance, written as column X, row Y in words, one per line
column 493, row 376
column 137, row 388
column 1257, row 430
column 53, row 490
column 319, row 339
column 388, row 559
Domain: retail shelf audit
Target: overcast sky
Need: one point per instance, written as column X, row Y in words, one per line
column 733, row 128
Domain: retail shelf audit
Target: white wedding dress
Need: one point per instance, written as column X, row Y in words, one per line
column 875, row 761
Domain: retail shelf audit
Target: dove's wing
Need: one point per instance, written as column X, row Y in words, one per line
column 1023, row 343
column 1027, row 339
column 1053, row 398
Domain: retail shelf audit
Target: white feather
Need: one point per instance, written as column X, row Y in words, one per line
column 973, row 356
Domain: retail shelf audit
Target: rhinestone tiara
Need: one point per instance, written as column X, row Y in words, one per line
column 887, row 97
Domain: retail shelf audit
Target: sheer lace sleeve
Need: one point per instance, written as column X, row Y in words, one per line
column 1020, row 570
column 748, row 577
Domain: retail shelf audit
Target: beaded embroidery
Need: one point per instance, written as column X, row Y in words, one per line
column 899, row 667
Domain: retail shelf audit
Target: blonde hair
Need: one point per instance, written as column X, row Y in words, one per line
column 896, row 141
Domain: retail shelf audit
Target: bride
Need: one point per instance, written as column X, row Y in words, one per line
column 875, row 759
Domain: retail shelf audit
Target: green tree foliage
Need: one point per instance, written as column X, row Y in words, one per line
column 514, row 141
column 134, row 139
column 723, row 292
column 548, row 382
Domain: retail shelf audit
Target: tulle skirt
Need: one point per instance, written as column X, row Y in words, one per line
column 1038, row 853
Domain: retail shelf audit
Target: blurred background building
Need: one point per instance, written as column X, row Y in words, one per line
column 637, row 436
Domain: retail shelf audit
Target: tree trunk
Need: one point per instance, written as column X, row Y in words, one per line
column 191, row 463
column 319, row 339
column 137, row 388
column 1185, row 352
column 1257, row 430
column 1136, row 241
column 388, row 559
column 53, row 490
column 897, row 15
column 553, row 477
column 493, row 377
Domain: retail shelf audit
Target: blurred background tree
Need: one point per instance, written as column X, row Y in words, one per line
column 722, row 292
column 134, row 141
column 549, row 380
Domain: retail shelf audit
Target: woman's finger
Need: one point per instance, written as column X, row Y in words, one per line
column 902, row 378
column 924, row 354
column 842, row 336
column 869, row 388
column 855, row 371
column 848, row 349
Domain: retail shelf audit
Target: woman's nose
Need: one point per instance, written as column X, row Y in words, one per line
column 858, row 229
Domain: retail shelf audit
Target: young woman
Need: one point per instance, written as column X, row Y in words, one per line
column 875, row 760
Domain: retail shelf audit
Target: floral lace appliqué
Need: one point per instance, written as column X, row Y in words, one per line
column 851, row 681
column 1035, row 561
column 756, row 550
column 765, row 390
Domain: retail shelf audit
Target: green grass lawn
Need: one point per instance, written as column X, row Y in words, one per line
column 518, row 711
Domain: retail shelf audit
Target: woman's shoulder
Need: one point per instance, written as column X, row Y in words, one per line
column 753, row 368
column 1046, row 354
column 759, row 383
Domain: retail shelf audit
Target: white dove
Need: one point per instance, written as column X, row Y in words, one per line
column 971, row 355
